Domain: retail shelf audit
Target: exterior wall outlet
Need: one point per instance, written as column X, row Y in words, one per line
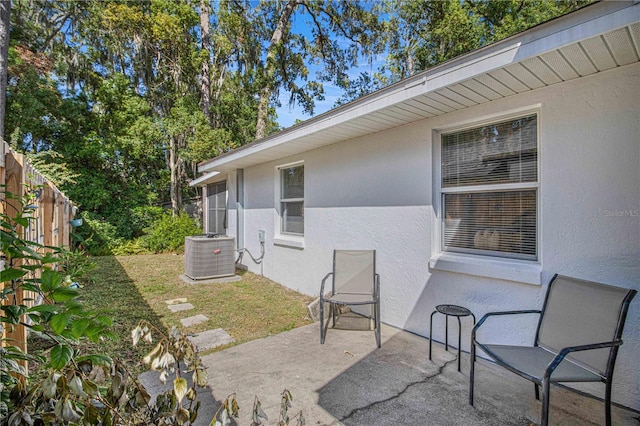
column 261, row 235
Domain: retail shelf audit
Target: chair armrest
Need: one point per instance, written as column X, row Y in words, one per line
column 569, row 349
column 322, row 285
column 491, row 314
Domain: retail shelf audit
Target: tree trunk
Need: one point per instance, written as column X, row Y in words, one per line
column 276, row 39
column 205, row 88
column 174, row 167
column 410, row 61
column 5, row 22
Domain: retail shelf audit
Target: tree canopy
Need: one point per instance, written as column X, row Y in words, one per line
column 119, row 100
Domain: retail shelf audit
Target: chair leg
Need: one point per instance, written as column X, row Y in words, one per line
column 376, row 310
column 472, row 369
column 333, row 312
column 322, row 331
column 459, row 342
column 431, row 333
column 544, row 414
column 607, row 403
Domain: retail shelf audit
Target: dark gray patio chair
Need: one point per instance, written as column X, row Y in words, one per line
column 354, row 281
column 577, row 339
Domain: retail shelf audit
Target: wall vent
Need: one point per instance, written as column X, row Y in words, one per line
column 209, row 257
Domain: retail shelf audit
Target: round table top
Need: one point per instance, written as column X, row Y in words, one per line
column 455, row 310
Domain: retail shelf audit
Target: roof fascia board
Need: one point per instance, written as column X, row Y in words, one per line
column 588, row 22
column 204, row 179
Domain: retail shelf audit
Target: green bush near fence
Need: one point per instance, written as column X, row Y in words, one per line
column 155, row 231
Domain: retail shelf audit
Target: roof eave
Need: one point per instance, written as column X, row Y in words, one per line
column 583, row 24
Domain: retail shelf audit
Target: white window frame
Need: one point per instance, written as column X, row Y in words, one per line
column 226, row 210
column 282, row 238
column 493, row 266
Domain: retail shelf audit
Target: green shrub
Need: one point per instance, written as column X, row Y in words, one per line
column 130, row 247
column 143, row 217
column 168, row 232
column 96, row 236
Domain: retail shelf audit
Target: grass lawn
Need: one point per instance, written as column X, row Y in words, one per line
column 133, row 288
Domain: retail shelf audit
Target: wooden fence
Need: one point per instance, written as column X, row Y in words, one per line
column 53, row 212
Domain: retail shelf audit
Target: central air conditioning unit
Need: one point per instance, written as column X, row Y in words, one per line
column 209, row 256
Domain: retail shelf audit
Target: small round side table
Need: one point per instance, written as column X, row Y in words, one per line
column 453, row 311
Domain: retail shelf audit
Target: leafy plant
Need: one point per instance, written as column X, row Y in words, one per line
column 167, row 233
column 130, row 247
column 171, row 353
column 53, row 310
column 97, row 236
column 75, row 387
column 229, row 408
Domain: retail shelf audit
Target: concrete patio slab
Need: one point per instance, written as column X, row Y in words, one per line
column 211, row 339
column 180, row 307
column 348, row 381
column 176, row 301
column 230, row 279
column 196, row 319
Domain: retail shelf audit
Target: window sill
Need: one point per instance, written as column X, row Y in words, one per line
column 503, row 269
column 289, row 241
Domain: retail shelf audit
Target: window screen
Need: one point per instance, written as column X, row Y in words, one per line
column 489, row 189
column 292, row 199
column 217, row 208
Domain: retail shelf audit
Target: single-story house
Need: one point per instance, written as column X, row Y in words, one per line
column 475, row 181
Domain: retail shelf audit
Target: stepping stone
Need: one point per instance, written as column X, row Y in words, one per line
column 180, row 307
column 176, row 301
column 196, row 319
column 211, row 339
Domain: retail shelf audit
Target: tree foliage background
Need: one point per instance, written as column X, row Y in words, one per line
column 117, row 101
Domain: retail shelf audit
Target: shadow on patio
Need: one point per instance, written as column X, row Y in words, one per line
column 348, row 381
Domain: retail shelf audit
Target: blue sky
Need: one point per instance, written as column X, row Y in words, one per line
column 287, row 115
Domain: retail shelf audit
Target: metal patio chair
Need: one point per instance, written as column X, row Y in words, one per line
column 577, row 339
column 354, row 281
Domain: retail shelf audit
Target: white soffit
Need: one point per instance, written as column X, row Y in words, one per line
column 596, row 38
column 205, row 179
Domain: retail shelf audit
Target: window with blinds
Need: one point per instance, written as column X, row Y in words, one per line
column 217, row 208
column 490, row 187
column 292, row 199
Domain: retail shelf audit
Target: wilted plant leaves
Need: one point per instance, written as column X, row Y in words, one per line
column 224, row 418
column 136, row 334
column 77, row 388
column 200, row 377
column 258, row 412
column 183, row 416
column 49, row 385
column 147, row 359
column 91, row 415
column 142, row 397
column 180, row 388
column 301, row 421
column 90, row 388
column 69, row 413
column 191, row 394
